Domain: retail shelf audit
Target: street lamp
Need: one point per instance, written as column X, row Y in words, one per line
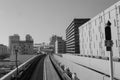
column 16, row 62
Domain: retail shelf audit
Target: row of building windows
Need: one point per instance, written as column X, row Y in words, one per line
column 72, row 35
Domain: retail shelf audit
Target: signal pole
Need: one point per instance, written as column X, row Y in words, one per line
column 109, row 44
column 111, row 64
column 16, row 62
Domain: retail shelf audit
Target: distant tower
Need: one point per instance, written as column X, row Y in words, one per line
column 29, row 44
column 60, row 45
column 53, row 39
column 28, row 38
column 13, row 42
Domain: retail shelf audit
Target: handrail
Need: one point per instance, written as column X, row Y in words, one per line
column 12, row 73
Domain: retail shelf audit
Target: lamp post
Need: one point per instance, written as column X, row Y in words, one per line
column 16, row 62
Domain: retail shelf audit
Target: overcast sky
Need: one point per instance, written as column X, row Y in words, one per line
column 42, row 18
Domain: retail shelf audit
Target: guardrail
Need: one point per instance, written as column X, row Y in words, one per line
column 61, row 73
column 22, row 67
column 116, row 59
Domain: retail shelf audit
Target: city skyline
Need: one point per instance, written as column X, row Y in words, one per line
column 41, row 18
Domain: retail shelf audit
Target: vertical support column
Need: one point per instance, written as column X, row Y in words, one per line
column 16, row 52
column 111, row 64
column 109, row 44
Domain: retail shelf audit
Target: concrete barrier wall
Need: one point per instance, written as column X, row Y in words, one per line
column 97, row 64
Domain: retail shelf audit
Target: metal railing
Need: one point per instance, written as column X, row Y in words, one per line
column 21, row 68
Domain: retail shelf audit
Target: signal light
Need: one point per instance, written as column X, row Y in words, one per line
column 108, row 31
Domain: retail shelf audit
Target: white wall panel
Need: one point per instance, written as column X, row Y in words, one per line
column 114, row 33
column 117, row 6
column 92, row 33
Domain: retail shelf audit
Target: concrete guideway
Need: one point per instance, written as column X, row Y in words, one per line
column 82, row 72
column 96, row 64
column 42, row 67
column 35, row 70
column 38, row 73
column 49, row 71
column 13, row 72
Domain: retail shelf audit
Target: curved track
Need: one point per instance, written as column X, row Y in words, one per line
column 35, row 70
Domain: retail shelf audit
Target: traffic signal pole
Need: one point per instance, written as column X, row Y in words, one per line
column 111, row 64
column 109, row 44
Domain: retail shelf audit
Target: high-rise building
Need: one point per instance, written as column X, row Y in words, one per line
column 24, row 47
column 72, row 35
column 13, row 42
column 53, row 41
column 60, row 46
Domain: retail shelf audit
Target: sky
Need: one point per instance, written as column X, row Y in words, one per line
column 43, row 18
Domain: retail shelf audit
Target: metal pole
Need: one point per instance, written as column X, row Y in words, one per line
column 16, row 65
column 111, row 64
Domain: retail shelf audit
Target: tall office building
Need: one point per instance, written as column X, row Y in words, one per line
column 52, row 40
column 13, row 42
column 72, row 35
column 60, row 46
column 57, row 39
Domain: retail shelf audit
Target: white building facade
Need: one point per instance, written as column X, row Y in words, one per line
column 92, row 33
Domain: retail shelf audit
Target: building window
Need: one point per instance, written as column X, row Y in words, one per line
column 109, row 14
column 95, row 22
column 114, row 22
column 119, row 9
column 100, row 19
column 116, row 44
